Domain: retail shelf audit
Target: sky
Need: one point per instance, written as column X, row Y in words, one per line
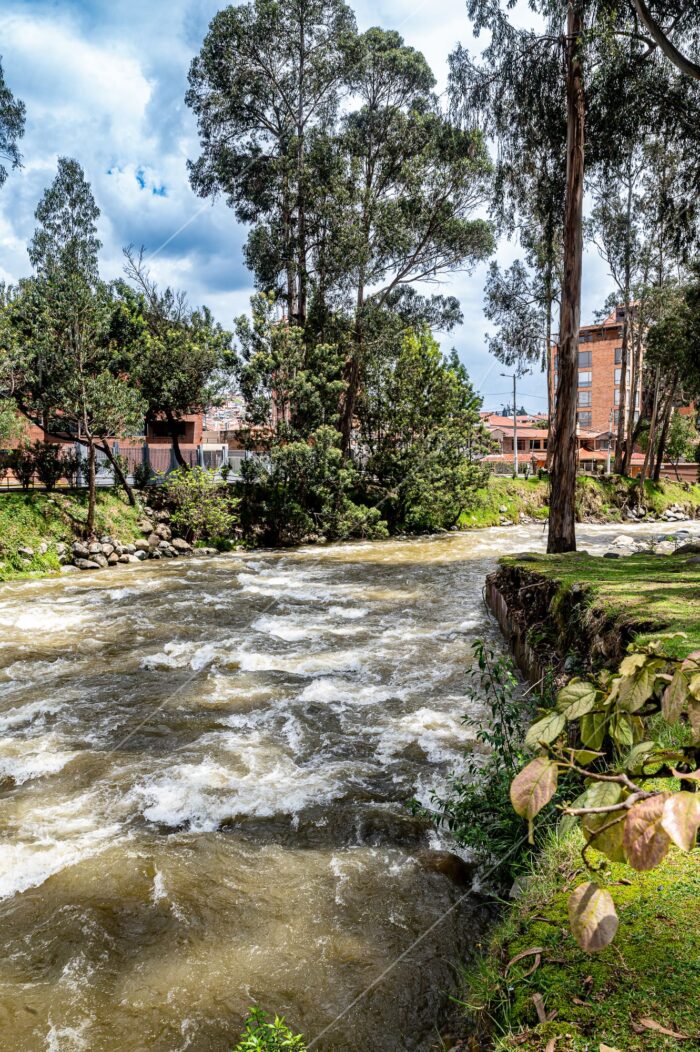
column 104, row 82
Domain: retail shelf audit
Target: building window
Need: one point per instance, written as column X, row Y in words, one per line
column 620, row 314
column 617, row 396
column 618, row 355
column 584, row 397
column 584, row 419
column 585, row 337
column 585, row 379
column 584, row 360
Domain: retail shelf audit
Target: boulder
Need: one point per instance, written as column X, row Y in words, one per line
column 113, row 559
column 153, row 540
column 129, row 549
column 87, row 564
column 107, row 540
column 26, row 553
column 181, row 545
column 107, row 549
column 95, row 548
column 611, row 555
column 43, row 548
column 146, row 526
column 140, row 546
column 690, row 548
column 100, row 559
column 80, row 550
column 139, row 555
column 163, row 531
column 162, row 516
column 69, row 568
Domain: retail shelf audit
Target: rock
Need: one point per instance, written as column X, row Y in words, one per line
column 163, row 531
column 154, row 540
column 43, row 548
column 87, row 564
column 80, row 549
column 180, row 545
column 26, row 553
column 95, row 548
column 611, row 555
column 107, row 549
column 690, row 548
column 155, row 553
column 145, row 525
column 694, row 561
column 140, row 546
column 69, row 568
column 140, row 555
column 107, row 540
column 503, row 510
column 113, row 559
column 623, row 541
column 665, row 548
column 129, row 549
column 162, row 516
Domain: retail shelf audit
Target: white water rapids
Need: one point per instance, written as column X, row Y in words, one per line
column 169, row 859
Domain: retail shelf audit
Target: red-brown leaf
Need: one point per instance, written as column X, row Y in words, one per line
column 645, row 841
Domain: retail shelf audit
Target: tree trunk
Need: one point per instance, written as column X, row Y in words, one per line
column 663, row 437
column 622, row 407
column 172, row 423
column 652, row 438
column 104, row 446
column 550, row 377
column 562, row 510
column 92, row 489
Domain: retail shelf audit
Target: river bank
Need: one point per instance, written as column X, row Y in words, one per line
column 38, row 531
column 575, row 613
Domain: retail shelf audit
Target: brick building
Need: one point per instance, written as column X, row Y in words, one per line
column 599, row 375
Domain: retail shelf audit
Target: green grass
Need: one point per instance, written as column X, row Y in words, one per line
column 31, row 519
column 599, row 500
column 652, row 970
column 664, row 589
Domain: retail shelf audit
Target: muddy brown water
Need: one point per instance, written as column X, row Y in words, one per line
column 204, row 767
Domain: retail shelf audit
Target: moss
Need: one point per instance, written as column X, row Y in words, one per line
column 651, row 970
column 30, row 520
column 654, row 592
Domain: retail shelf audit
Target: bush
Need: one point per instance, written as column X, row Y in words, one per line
column 261, row 1035
column 52, row 463
column 22, row 464
column 200, row 507
column 143, row 473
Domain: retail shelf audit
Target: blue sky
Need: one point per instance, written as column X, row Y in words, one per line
column 104, row 82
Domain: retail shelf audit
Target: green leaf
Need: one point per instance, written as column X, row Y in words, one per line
column 674, row 696
column 609, row 841
column 601, row 794
column 545, row 730
column 592, row 917
column 634, row 760
column 636, row 690
column 593, row 727
column 632, row 663
column 577, row 698
column 681, row 819
column 533, row 788
column 646, row 842
column 621, row 730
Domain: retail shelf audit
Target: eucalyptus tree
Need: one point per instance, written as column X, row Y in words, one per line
column 267, row 76
column 604, row 49
column 12, row 122
column 65, row 371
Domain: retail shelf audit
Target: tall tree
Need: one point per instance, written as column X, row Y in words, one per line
column 65, row 371
column 267, row 76
column 12, row 121
column 603, row 42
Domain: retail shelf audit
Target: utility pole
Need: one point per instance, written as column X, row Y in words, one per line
column 515, row 425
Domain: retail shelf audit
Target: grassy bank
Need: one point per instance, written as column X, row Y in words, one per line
column 650, row 975
column 37, row 521
column 650, row 972
column 598, row 500
column 655, row 592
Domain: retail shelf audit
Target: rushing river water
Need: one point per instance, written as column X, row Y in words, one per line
column 204, row 766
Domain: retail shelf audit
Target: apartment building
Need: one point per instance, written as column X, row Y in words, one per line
column 600, row 373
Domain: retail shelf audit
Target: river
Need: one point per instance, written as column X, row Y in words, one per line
column 204, row 765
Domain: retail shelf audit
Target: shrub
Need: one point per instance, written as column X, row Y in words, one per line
column 22, row 464
column 143, row 473
column 630, row 808
column 261, row 1035
column 50, row 463
column 200, row 507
